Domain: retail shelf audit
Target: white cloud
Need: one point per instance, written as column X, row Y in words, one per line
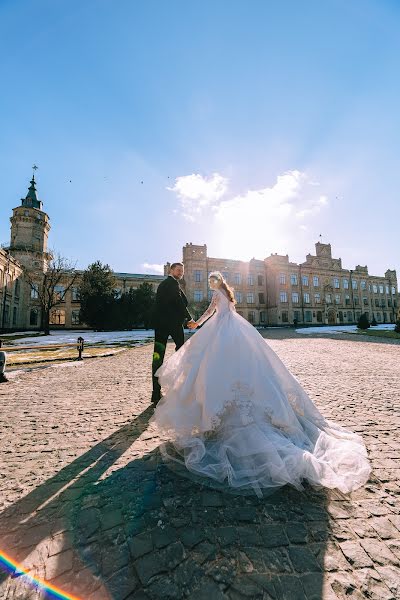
column 196, row 193
column 153, row 268
column 257, row 221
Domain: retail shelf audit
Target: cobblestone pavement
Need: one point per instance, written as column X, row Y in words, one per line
column 87, row 504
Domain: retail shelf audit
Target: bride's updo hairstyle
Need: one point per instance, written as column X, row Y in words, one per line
column 220, row 281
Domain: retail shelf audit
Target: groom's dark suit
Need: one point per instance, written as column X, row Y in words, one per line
column 169, row 315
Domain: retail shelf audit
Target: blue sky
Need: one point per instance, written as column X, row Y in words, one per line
column 250, row 126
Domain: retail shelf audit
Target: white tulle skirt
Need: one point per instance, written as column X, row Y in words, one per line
column 234, row 413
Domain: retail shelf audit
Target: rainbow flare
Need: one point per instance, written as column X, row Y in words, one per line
column 53, row 591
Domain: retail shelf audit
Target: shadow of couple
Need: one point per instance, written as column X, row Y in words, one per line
column 148, row 531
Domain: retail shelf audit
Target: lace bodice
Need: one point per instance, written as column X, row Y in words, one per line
column 220, row 303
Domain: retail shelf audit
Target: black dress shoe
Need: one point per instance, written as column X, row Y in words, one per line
column 155, row 398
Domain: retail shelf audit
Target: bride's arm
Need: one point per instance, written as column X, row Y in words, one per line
column 210, row 311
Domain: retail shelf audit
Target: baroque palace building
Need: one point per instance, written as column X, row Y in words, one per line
column 276, row 291
column 272, row 291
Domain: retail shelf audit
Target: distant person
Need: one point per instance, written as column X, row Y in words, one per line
column 235, row 413
column 169, row 315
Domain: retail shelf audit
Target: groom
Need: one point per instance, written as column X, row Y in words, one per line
column 169, row 316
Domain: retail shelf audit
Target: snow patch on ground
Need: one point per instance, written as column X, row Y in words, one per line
column 90, row 337
column 340, row 328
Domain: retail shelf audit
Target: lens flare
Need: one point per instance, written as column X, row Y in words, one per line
column 17, row 570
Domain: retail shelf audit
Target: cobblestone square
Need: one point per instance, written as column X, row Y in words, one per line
column 87, row 504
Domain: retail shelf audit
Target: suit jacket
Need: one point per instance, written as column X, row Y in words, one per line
column 171, row 305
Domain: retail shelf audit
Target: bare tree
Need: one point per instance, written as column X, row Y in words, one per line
column 51, row 284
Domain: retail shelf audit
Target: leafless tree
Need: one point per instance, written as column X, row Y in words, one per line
column 51, row 284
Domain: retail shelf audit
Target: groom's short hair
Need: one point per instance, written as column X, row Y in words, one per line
column 177, row 264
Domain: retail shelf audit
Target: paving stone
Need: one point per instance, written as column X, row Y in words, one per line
column 370, row 582
column 140, row 544
column 208, row 589
column 303, row 560
column 297, row 533
column 276, row 561
column 149, row 565
column 122, row 583
column 391, row 576
column 379, row 552
column 163, row 536
column 385, row 528
column 355, row 554
column 191, row 536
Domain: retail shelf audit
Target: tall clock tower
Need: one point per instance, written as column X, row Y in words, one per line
column 30, row 227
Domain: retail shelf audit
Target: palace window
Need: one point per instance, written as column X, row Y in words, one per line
column 295, row 297
column 365, row 301
column 197, row 295
column 293, row 279
column 356, row 300
column 349, row 316
column 306, row 296
column 285, row 316
column 363, row 284
column 34, row 291
column 282, row 278
column 57, row 317
column 304, row 280
column 338, row 299
column 308, row 316
column 75, row 294
column 296, row 315
column 250, row 279
column 261, row 298
column 59, row 293
column 376, row 301
column 380, row 288
column 387, row 289
column 33, row 317
column 250, row 298
column 75, row 319
column 238, row 297
column 316, row 281
column 14, row 319
column 354, row 284
column 375, row 288
column 16, row 288
column 197, row 276
column 283, row 296
column 260, row 280
column 347, row 299
column 345, row 284
column 317, row 298
column 393, row 290
column 336, row 283
column 262, row 316
column 252, row 316
column 237, row 278
column 328, row 298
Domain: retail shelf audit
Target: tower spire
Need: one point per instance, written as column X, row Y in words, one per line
column 31, row 200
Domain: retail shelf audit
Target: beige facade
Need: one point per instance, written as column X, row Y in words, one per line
column 272, row 291
column 276, row 291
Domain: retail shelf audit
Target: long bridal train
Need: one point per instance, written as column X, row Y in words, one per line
column 234, row 413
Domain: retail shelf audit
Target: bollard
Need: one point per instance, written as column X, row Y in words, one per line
column 3, row 360
column 80, row 347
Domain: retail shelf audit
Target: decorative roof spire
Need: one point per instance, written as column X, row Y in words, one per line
column 31, row 200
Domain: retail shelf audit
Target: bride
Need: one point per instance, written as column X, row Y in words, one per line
column 234, row 413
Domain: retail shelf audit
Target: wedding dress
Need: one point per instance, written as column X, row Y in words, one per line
column 234, row 413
